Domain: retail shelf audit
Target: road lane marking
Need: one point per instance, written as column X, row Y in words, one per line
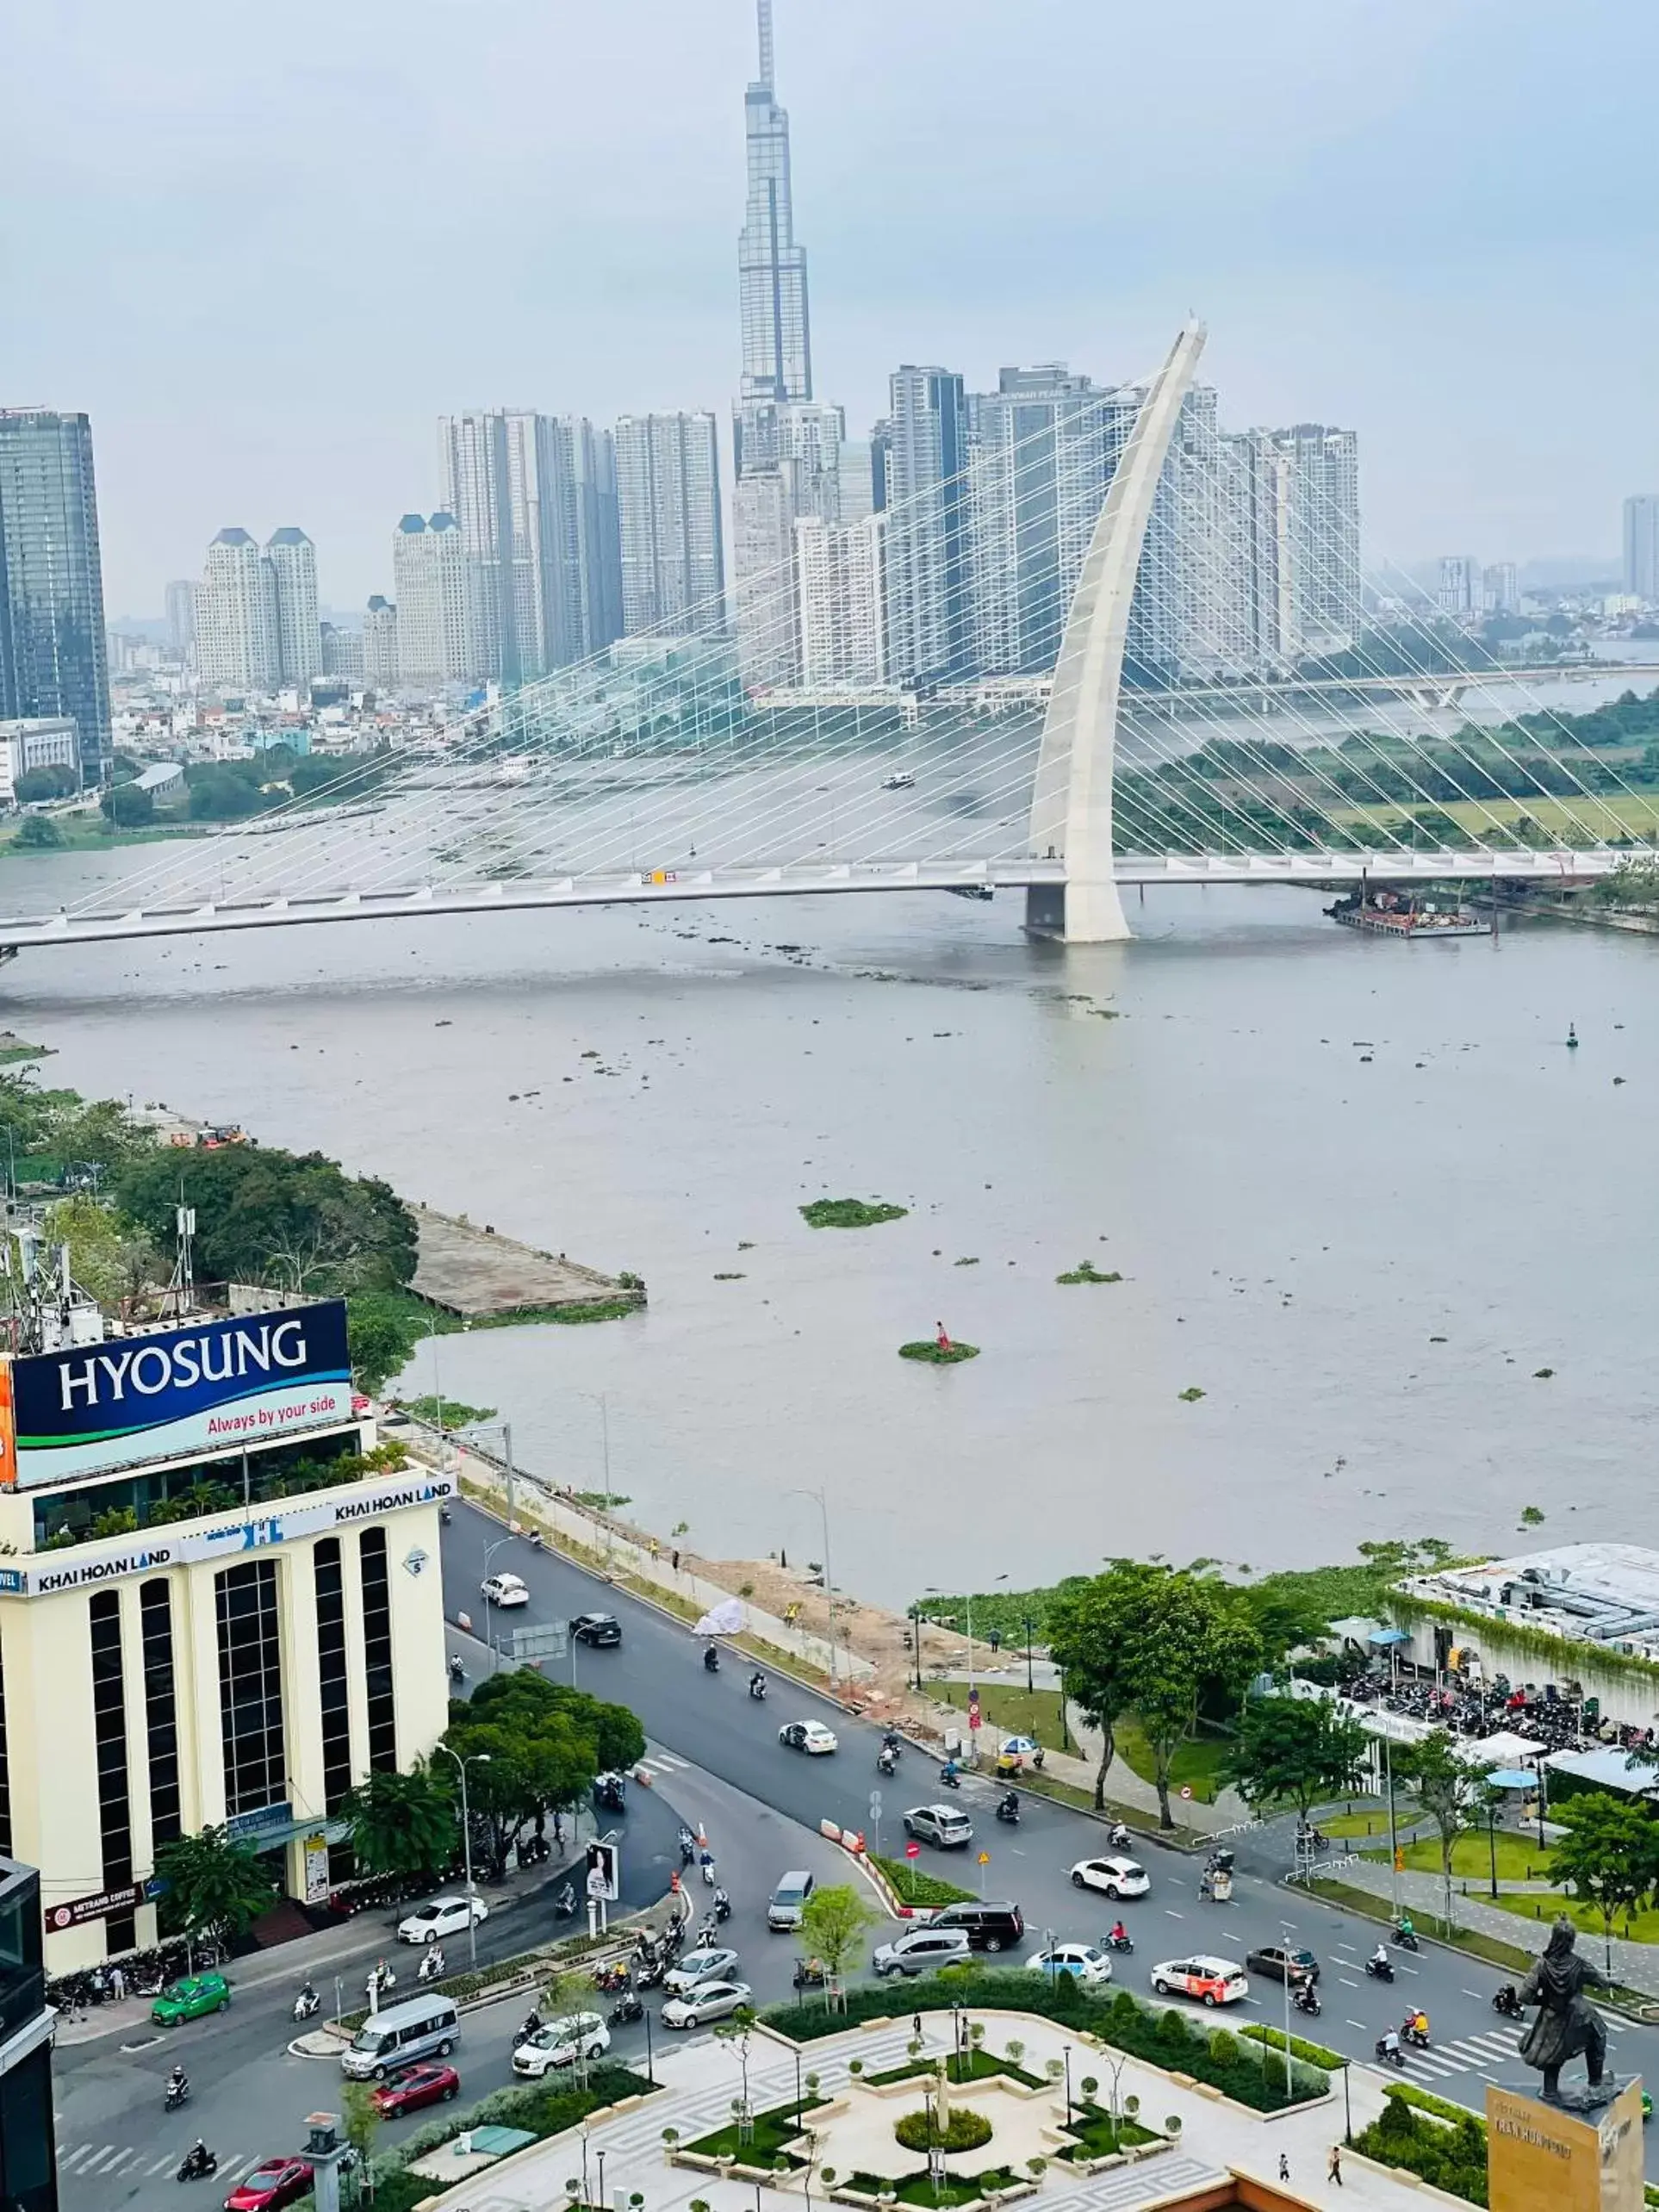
column 1472, row 1992
column 1170, row 1913
column 1361, row 2026
column 1347, row 1984
column 1400, row 1967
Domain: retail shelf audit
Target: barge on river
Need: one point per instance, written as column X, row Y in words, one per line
column 1404, row 914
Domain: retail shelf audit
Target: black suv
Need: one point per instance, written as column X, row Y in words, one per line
column 990, row 1926
column 596, row 1628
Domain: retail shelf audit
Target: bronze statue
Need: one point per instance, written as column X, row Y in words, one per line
column 1567, row 2023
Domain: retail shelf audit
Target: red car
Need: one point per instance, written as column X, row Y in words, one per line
column 275, row 2183
column 411, row 2088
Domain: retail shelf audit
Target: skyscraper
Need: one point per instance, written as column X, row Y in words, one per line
column 181, row 618
column 771, row 267
column 668, row 522
column 1642, row 546
column 1501, row 588
column 429, row 577
column 53, row 655
column 1460, row 590
column 237, row 642
column 841, row 593
column 929, row 614
column 1290, row 542
column 293, row 562
column 380, row 663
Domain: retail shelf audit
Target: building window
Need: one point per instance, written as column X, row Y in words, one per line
column 251, row 1687
column 330, row 1669
column 377, row 1652
column 160, row 1709
column 5, row 1773
column 110, row 1739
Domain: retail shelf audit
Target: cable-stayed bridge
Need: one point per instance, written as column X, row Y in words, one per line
column 1166, row 747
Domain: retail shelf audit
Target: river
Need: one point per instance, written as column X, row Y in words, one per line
column 1311, row 1157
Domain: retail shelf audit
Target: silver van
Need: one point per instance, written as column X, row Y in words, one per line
column 789, row 1900
column 422, row 2028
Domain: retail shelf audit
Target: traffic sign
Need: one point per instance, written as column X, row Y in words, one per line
column 984, row 1858
column 974, row 1716
column 875, row 1805
column 912, row 1850
column 1186, row 1789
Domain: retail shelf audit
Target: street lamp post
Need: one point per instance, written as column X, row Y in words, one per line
column 1030, row 1685
column 1285, row 1933
column 916, row 1625
column 829, row 1577
column 477, row 1759
column 1068, row 2085
column 490, row 1550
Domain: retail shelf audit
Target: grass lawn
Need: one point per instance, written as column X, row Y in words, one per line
column 1013, row 1712
column 917, row 2188
column 1368, row 1820
column 1520, row 1859
column 1098, row 2134
column 912, row 1886
column 1637, row 1927
column 1195, row 1762
column 1595, row 818
column 961, row 2066
column 768, row 2133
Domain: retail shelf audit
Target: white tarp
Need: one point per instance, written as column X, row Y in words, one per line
column 725, row 1620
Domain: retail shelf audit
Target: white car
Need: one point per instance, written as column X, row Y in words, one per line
column 806, row 1736
column 1116, row 1876
column 1081, row 1961
column 700, row 1966
column 444, row 1915
column 560, row 2043
column 714, row 2000
column 503, row 1590
column 1211, row 1980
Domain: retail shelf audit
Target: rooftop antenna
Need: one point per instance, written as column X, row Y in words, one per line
column 763, row 20
column 184, row 1260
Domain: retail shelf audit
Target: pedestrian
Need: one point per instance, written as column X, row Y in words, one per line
column 1334, row 2165
column 117, row 1984
column 674, row 1557
column 1285, row 2167
column 915, row 2026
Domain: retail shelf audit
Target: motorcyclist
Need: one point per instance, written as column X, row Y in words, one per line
column 757, row 1684
column 1417, row 2023
column 949, row 1772
column 707, row 1864
column 1120, row 1934
column 566, row 1899
column 1008, row 1806
column 306, row 2003
column 178, row 2083
column 1391, row 2044
column 198, row 2158
column 1119, row 1838
column 722, row 1905
column 687, row 1843
column 457, row 1672
column 893, row 1741
column 1380, row 1956
column 710, row 1659
column 1403, row 1927
column 532, row 2024
column 431, row 1966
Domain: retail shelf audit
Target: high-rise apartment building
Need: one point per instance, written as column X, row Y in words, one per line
column 668, row 523
column 1460, row 589
column 771, row 267
column 54, row 653
column 293, row 562
column 929, row 615
column 380, row 661
column 534, row 499
column 181, row 618
column 1642, row 546
column 237, row 646
column 1289, row 542
column 1501, row 588
column 842, row 594
column 429, row 575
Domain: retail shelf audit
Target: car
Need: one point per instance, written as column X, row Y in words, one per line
column 700, row 1966
column 788, row 1901
column 1279, row 1965
column 1117, row 1878
column 918, row 1949
column 597, row 1629
column 273, row 2182
column 806, row 1736
column 989, row 1927
column 411, row 2088
column 1212, row 1981
column 715, row 2000
column 444, row 1915
column 939, row 1823
column 503, row 1590
column 1081, row 1961
column 192, row 1997
column 560, row 2043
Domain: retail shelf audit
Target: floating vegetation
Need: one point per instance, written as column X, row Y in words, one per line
column 974, row 1262
column 1192, row 1394
column 850, row 1212
column 732, row 1277
column 1086, row 1271
column 940, row 1355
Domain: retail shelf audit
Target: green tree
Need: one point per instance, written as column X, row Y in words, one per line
column 362, row 2115
column 1191, row 1638
column 1448, row 1788
column 402, row 1824
column 1088, row 1623
column 1609, row 1854
column 215, row 1887
column 219, row 796
column 836, row 1925
column 378, row 1344
column 38, row 833
column 109, row 1256
column 312, row 773
column 1295, row 1751
column 37, row 784
column 127, row 807
column 545, row 1743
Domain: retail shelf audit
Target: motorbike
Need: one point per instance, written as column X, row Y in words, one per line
column 1416, row 2036
column 809, row 1973
column 950, row 1778
column 307, row 2004
column 757, row 1687
column 626, row 2010
column 1119, row 1838
column 1305, row 1997
column 674, row 1937
column 708, row 1871
column 457, row 1672
column 708, row 1933
column 1008, row 1809
column 445, row 1515
column 1395, row 2057
column 688, row 1847
column 893, row 1741
column 721, row 1906
column 711, row 1660
column 651, row 1974
column 611, row 1978
column 1380, row 1969
column 1407, row 1938
column 1110, row 1942
column 886, row 1762
column 178, row 2093
column 199, row 2163
column 431, row 1967
column 532, row 2026
column 1506, row 2002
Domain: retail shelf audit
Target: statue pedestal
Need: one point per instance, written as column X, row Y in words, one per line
column 1541, row 2157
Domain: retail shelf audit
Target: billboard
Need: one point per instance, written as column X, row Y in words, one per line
column 206, row 1386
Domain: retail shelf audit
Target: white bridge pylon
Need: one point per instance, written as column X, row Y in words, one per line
column 1072, row 801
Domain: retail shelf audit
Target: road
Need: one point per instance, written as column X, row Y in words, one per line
column 713, row 1758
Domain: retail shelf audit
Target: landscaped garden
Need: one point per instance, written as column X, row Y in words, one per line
column 760, row 2140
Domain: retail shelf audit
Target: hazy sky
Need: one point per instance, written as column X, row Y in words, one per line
column 265, row 247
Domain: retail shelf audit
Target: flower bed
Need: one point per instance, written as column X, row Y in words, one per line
column 1163, row 2038
column 938, row 1355
column 850, row 1212
column 964, row 2131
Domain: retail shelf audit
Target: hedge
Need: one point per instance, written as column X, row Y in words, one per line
column 1163, row 2038
column 1451, row 2156
column 911, row 1886
column 1315, row 2054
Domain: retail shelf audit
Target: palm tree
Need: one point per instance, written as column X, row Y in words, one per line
column 402, row 1824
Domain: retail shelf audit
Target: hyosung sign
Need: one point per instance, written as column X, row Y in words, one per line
column 207, row 1387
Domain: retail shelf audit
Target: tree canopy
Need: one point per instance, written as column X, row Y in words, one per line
column 1609, row 1854
column 215, row 1887
column 404, row 1824
column 545, row 1743
column 1294, row 1751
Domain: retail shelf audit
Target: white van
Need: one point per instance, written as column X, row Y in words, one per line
column 422, row 2028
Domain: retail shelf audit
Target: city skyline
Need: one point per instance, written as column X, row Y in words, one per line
column 1392, row 317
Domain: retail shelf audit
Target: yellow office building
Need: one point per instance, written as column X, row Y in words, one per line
column 219, row 1603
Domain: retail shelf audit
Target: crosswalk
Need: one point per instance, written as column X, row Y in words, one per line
column 661, row 1762
column 1482, row 2053
column 126, row 2162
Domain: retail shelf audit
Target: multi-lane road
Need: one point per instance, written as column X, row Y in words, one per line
column 714, row 1759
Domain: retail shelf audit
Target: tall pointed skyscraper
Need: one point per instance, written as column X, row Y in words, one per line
column 772, row 267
